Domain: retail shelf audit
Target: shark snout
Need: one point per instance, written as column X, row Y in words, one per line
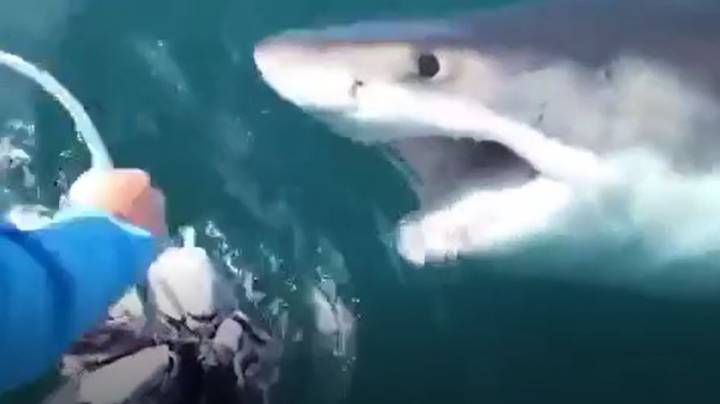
column 270, row 53
column 289, row 66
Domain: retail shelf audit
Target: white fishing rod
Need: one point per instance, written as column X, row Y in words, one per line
column 83, row 124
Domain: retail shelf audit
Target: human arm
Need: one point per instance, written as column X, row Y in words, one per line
column 58, row 281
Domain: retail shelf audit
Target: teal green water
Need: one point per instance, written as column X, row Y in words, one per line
column 172, row 88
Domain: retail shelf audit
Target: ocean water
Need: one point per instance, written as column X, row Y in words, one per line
column 172, row 88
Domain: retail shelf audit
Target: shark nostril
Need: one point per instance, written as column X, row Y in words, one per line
column 354, row 87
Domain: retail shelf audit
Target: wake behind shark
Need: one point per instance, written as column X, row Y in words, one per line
column 545, row 123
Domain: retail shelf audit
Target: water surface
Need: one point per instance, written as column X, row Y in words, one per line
column 172, row 88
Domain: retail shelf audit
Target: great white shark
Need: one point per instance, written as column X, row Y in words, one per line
column 568, row 119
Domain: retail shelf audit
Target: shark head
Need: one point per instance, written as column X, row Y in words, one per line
column 503, row 117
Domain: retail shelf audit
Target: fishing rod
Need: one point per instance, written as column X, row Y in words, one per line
column 84, row 127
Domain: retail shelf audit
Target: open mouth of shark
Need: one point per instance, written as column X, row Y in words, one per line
column 469, row 192
column 442, row 169
column 475, row 196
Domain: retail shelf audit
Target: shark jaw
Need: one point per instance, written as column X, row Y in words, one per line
column 484, row 180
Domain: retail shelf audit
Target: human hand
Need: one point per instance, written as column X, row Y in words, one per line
column 125, row 193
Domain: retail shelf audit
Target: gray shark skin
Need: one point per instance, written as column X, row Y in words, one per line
column 506, row 117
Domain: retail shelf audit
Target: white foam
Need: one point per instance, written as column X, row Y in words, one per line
column 184, row 280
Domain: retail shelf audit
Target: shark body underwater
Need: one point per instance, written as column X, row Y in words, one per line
column 532, row 125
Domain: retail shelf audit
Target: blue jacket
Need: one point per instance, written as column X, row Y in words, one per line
column 58, row 281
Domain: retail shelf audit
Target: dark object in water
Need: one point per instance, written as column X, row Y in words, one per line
column 214, row 359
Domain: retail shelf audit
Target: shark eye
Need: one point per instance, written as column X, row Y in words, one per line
column 428, row 65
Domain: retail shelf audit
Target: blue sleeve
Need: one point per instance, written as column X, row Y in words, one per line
column 58, row 281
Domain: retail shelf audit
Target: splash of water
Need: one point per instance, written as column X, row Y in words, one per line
column 305, row 306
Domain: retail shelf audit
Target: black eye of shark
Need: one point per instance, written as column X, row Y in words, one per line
column 428, row 65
